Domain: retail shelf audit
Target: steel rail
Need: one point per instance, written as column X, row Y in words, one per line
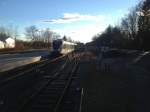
column 66, row 87
column 43, row 86
column 81, row 100
column 37, row 65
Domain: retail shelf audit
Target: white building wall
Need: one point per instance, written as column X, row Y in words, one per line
column 2, row 45
column 10, row 43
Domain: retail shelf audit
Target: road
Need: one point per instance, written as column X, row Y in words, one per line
column 10, row 61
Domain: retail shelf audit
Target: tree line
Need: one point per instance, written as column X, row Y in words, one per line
column 40, row 38
column 132, row 33
column 34, row 38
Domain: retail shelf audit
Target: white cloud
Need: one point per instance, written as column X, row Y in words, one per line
column 85, row 33
column 82, row 33
column 73, row 17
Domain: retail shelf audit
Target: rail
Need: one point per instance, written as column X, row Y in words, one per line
column 52, row 94
column 35, row 66
column 43, row 86
column 66, row 87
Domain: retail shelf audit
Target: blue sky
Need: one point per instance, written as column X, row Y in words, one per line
column 80, row 19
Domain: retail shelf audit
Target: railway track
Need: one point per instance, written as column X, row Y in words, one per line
column 60, row 93
column 20, row 85
column 35, row 67
column 61, row 85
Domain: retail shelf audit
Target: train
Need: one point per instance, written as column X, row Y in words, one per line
column 62, row 46
column 59, row 48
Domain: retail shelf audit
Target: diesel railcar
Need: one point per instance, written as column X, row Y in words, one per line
column 59, row 48
column 62, row 46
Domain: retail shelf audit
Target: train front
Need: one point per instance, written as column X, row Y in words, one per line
column 57, row 48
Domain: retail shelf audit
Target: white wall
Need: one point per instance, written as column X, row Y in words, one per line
column 2, row 45
column 10, row 43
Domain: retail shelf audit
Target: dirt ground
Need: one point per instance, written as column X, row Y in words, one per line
column 126, row 91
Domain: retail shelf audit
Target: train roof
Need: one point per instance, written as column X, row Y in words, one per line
column 64, row 42
column 69, row 43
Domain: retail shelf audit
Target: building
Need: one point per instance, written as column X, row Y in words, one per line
column 2, row 45
column 7, row 43
column 10, row 43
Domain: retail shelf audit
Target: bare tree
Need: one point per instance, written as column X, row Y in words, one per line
column 129, row 24
column 47, row 35
column 8, row 31
column 3, row 34
column 64, row 38
column 31, row 33
column 144, row 24
column 56, row 36
column 12, row 31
